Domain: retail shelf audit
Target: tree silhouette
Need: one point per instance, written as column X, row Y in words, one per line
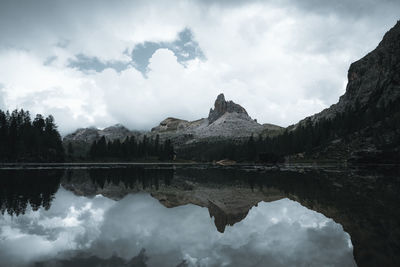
column 131, row 149
column 24, row 140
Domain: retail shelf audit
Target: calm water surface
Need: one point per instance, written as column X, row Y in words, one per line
column 198, row 216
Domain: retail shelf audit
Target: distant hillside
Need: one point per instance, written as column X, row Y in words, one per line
column 364, row 126
column 81, row 140
column 226, row 121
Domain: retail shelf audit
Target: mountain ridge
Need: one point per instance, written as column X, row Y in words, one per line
column 365, row 120
column 227, row 120
column 375, row 74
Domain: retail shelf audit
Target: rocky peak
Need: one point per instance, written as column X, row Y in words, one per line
column 373, row 81
column 170, row 124
column 221, row 106
column 117, row 131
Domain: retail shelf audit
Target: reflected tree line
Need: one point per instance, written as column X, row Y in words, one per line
column 349, row 197
column 36, row 188
column 132, row 178
column 20, row 188
column 364, row 201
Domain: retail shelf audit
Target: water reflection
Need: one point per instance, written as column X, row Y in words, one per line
column 20, row 187
column 139, row 231
column 191, row 216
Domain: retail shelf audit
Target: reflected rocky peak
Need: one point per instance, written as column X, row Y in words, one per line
column 229, row 194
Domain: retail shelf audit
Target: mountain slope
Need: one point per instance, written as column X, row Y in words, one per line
column 82, row 138
column 365, row 124
column 226, row 121
column 373, row 81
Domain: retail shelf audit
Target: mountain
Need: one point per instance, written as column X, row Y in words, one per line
column 373, row 81
column 365, row 124
column 221, row 107
column 348, row 196
column 226, row 121
column 82, row 138
column 88, row 135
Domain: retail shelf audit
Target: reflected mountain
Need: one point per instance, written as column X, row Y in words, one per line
column 364, row 202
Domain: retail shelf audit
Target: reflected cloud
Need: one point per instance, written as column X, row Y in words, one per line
column 139, row 231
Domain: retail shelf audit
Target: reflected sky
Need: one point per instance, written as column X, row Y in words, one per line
column 139, row 231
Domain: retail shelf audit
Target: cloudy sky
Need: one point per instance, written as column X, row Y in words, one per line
column 279, row 233
column 97, row 63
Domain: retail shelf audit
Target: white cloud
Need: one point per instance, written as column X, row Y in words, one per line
column 280, row 233
column 281, row 60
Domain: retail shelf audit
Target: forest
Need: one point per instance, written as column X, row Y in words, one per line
column 131, row 149
column 25, row 140
column 372, row 122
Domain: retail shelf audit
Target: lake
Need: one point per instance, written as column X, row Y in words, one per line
column 199, row 215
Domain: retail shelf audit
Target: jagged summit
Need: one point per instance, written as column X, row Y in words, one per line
column 227, row 120
column 221, row 106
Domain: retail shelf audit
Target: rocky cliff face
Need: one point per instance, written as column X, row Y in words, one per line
column 227, row 120
column 367, row 116
column 374, row 80
column 221, row 107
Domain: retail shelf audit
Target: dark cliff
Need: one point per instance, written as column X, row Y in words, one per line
column 365, row 124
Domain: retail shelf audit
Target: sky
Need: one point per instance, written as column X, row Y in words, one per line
column 98, row 63
column 82, row 231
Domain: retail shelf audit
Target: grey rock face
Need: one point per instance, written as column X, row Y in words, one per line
column 227, row 120
column 88, row 135
column 373, row 80
column 117, row 131
column 170, row 124
column 373, row 90
column 221, row 107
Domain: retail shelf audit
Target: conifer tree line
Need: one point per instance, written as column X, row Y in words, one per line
column 372, row 120
column 130, row 148
column 26, row 140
